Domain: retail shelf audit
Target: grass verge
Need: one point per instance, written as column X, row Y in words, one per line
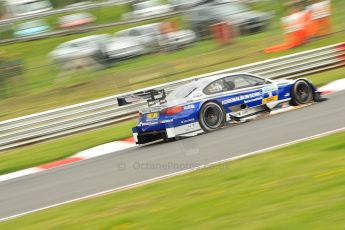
column 300, row 186
column 37, row 154
column 320, row 79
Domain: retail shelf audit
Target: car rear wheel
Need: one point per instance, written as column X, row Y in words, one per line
column 301, row 93
column 211, row 117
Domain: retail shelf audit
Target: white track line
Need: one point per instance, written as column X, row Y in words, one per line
column 177, row 173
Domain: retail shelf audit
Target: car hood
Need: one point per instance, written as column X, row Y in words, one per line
column 284, row 81
column 66, row 52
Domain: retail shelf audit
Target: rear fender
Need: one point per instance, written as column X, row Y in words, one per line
column 215, row 101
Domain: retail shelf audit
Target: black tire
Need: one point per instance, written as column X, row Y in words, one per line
column 211, row 116
column 301, row 93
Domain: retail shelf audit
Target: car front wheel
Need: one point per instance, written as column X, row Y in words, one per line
column 301, row 93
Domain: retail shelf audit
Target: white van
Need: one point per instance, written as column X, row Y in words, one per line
column 25, row 7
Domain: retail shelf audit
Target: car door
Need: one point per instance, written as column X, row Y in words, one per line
column 269, row 90
column 247, row 94
column 229, row 94
column 143, row 38
column 153, row 34
column 244, row 93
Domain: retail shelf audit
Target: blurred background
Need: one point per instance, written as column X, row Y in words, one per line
column 55, row 53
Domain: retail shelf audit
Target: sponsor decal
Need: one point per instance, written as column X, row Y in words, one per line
column 190, row 126
column 166, row 121
column 147, row 123
column 269, row 99
column 242, row 97
column 186, row 121
column 270, row 88
column 252, row 100
column 189, row 107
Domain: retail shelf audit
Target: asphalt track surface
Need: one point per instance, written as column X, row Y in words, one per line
column 142, row 163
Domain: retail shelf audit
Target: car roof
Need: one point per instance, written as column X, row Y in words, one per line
column 201, row 83
column 198, row 85
column 87, row 38
column 207, row 80
column 143, row 26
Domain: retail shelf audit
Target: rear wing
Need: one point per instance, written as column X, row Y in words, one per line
column 156, row 97
column 152, row 97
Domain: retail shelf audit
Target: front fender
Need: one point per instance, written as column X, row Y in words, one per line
column 316, row 92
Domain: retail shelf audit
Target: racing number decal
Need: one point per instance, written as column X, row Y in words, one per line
column 152, row 116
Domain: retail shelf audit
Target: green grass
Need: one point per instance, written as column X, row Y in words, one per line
column 326, row 77
column 42, row 87
column 298, row 187
column 37, row 154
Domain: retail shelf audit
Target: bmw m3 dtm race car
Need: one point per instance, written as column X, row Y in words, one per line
column 206, row 104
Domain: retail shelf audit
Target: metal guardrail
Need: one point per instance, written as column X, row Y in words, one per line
column 76, row 118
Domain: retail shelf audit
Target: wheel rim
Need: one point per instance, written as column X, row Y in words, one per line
column 303, row 92
column 212, row 117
